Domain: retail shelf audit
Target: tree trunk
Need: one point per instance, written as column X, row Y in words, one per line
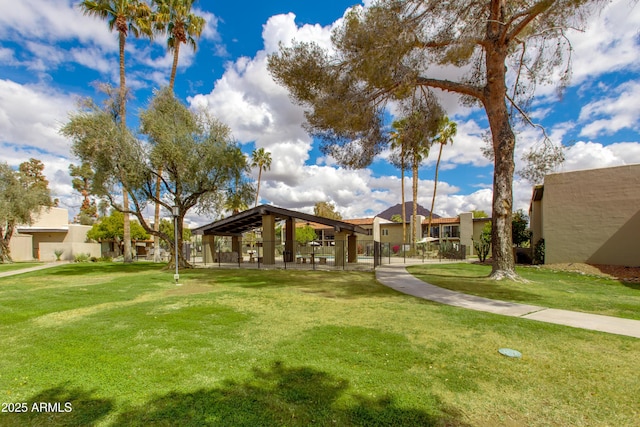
column 123, row 122
column 504, row 141
column 404, row 213
column 258, row 189
column 156, row 220
column 435, row 188
column 5, row 239
column 174, row 67
column 414, row 231
column 182, row 262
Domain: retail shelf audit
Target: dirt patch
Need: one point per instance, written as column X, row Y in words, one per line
column 618, row 272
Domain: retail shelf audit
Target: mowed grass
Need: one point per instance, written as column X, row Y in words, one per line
column 124, row 346
column 543, row 287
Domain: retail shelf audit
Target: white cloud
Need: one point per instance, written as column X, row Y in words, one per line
column 32, row 115
column 609, row 115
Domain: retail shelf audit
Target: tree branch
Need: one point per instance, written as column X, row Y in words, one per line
column 449, row 86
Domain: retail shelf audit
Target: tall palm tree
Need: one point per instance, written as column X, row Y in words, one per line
column 262, row 160
column 398, row 145
column 174, row 18
column 446, row 131
column 123, row 16
column 239, row 197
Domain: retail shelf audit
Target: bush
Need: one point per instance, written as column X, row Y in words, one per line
column 538, row 252
column 81, row 257
column 105, row 259
column 58, row 253
column 395, row 249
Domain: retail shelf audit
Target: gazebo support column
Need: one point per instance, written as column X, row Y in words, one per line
column 208, row 248
column 341, row 246
column 290, row 239
column 235, row 246
column 268, row 239
column 352, row 254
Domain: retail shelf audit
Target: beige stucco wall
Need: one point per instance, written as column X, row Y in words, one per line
column 466, row 231
column 593, row 216
column 51, row 217
column 536, row 221
column 394, row 232
column 21, row 247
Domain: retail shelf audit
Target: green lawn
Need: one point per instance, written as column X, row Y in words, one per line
column 546, row 288
column 124, row 346
column 18, row 266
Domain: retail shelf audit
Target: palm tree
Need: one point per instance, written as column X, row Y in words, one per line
column 262, row 160
column 174, row 18
column 446, row 131
column 123, row 16
column 239, row 197
column 398, row 143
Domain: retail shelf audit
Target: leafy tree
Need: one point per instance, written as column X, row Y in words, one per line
column 100, row 141
column 483, row 245
column 123, row 16
column 305, row 235
column 326, row 210
column 168, row 228
column 23, row 193
column 112, row 228
column 384, row 51
column 397, row 218
column 479, row 214
column 520, row 229
column 197, row 154
column 446, row 131
column 174, row 18
column 260, row 159
column 81, row 182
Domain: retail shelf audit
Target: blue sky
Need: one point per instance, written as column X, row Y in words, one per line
column 51, row 55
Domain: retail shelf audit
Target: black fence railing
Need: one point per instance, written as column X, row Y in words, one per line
column 337, row 254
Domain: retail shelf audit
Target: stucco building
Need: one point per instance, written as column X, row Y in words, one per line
column 50, row 232
column 590, row 216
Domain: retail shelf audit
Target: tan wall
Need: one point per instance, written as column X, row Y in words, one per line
column 395, row 232
column 21, row 247
column 51, row 217
column 466, row 231
column 536, row 222
column 593, row 216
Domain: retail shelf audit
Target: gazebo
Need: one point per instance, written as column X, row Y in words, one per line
column 266, row 217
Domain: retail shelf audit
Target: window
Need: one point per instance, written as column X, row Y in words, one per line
column 385, row 231
column 451, row 231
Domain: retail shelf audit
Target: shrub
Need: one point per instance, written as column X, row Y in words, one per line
column 58, row 253
column 105, row 259
column 538, row 252
column 81, row 258
column 395, row 249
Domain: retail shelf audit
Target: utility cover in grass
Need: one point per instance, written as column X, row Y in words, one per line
column 510, row 353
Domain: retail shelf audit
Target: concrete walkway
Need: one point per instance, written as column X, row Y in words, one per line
column 396, row 277
column 36, row 268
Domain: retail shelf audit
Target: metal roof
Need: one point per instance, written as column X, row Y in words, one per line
column 250, row 219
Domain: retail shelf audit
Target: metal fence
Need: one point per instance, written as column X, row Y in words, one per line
column 388, row 253
column 328, row 255
column 333, row 255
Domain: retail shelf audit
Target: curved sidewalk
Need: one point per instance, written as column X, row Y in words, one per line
column 397, row 277
column 36, row 268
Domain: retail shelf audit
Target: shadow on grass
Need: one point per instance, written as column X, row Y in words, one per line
column 280, row 396
column 79, row 269
column 60, row 406
column 329, row 284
